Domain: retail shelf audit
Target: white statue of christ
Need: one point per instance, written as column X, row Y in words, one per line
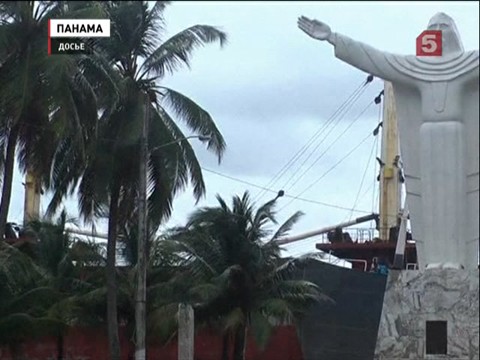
column 437, row 110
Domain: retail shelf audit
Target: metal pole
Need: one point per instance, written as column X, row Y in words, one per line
column 398, row 260
column 87, row 233
column 140, row 298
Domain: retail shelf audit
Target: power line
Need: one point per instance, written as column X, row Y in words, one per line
column 302, row 150
column 285, row 195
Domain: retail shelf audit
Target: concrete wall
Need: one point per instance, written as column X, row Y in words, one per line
column 91, row 344
column 346, row 330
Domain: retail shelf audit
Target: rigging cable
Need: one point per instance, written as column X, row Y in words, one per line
column 363, row 177
column 329, row 147
column 347, row 103
column 370, row 188
column 300, row 152
column 328, row 171
column 374, row 147
column 321, row 142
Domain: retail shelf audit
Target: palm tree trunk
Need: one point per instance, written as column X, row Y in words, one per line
column 225, row 347
column 112, row 316
column 240, row 343
column 16, row 352
column 141, row 292
column 7, row 179
column 60, row 350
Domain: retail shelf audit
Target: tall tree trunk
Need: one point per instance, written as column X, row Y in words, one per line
column 141, row 286
column 7, row 179
column 240, row 343
column 112, row 316
column 16, row 351
column 60, row 343
column 225, row 347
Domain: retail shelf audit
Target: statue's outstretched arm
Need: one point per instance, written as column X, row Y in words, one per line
column 355, row 53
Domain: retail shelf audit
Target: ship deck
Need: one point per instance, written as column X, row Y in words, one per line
column 361, row 254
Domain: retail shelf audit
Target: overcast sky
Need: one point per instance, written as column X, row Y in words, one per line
column 272, row 87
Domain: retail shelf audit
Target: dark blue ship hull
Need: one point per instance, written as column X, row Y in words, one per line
column 347, row 329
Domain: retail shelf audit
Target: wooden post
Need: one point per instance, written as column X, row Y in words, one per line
column 185, row 332
column 390, row 188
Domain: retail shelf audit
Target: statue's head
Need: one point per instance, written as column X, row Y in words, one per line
column 451, row 41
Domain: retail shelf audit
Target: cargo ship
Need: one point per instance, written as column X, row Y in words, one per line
column 347, row 329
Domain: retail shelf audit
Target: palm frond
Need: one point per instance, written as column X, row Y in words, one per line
column 39, row 297
column 182, row 156
column 196, row 119
column 261, row 329
column 287, row 225
column 22, row 326
column 176, row 51
column 234, row 319
column 162, row 322
column 17, row 270
column 276, row 309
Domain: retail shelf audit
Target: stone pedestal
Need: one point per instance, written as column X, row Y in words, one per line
column 412, row 298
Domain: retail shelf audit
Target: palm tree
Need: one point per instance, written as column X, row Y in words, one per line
column 234, row 249
column 39, row 281
column 167, row 281
column 60, row 258
column 24, row 302
column 48, row 103
column 109, row 181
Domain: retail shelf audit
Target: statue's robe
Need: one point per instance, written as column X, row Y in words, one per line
column 437, row 104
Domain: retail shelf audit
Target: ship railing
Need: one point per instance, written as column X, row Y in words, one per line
column 359, row 235
column 358, row 261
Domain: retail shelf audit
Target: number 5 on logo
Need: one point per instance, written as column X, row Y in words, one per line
column 429, row 43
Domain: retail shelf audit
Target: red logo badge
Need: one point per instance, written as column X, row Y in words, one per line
column 429, row 43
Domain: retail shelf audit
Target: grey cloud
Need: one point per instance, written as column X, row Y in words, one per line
column 278, row 100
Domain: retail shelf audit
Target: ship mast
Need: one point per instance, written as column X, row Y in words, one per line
column 390, row 217
column 390, row 185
